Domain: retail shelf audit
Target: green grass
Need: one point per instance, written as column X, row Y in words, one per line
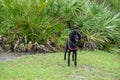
column 97, row 65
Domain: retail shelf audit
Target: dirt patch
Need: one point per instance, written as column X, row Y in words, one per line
column 77, row 77
column 4, row 56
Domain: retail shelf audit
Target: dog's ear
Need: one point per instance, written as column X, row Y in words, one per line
column 80, row 35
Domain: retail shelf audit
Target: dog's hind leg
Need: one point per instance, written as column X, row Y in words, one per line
column 66, row 49
column 65, row 54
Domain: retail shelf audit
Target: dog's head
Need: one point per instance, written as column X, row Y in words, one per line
column 75, row 35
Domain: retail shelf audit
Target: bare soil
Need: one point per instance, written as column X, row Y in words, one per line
column 8, row 56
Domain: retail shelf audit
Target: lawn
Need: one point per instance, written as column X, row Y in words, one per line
column 97, row 65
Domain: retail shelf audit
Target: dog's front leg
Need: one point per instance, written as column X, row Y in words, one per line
column 75, row 62
column 69, row 52
column 73, row 55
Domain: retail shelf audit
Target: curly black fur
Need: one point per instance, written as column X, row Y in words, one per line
column 71, row 45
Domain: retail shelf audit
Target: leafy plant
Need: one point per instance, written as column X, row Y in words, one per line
column 39, row 20
column 99, row 23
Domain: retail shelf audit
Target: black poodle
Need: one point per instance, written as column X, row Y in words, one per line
column 72, row 46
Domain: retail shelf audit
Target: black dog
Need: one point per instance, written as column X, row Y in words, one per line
column 72, row 46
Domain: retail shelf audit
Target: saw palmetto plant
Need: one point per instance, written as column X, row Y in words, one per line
column 39, row 20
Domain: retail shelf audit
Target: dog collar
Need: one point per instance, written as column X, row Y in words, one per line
column 72, row 48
